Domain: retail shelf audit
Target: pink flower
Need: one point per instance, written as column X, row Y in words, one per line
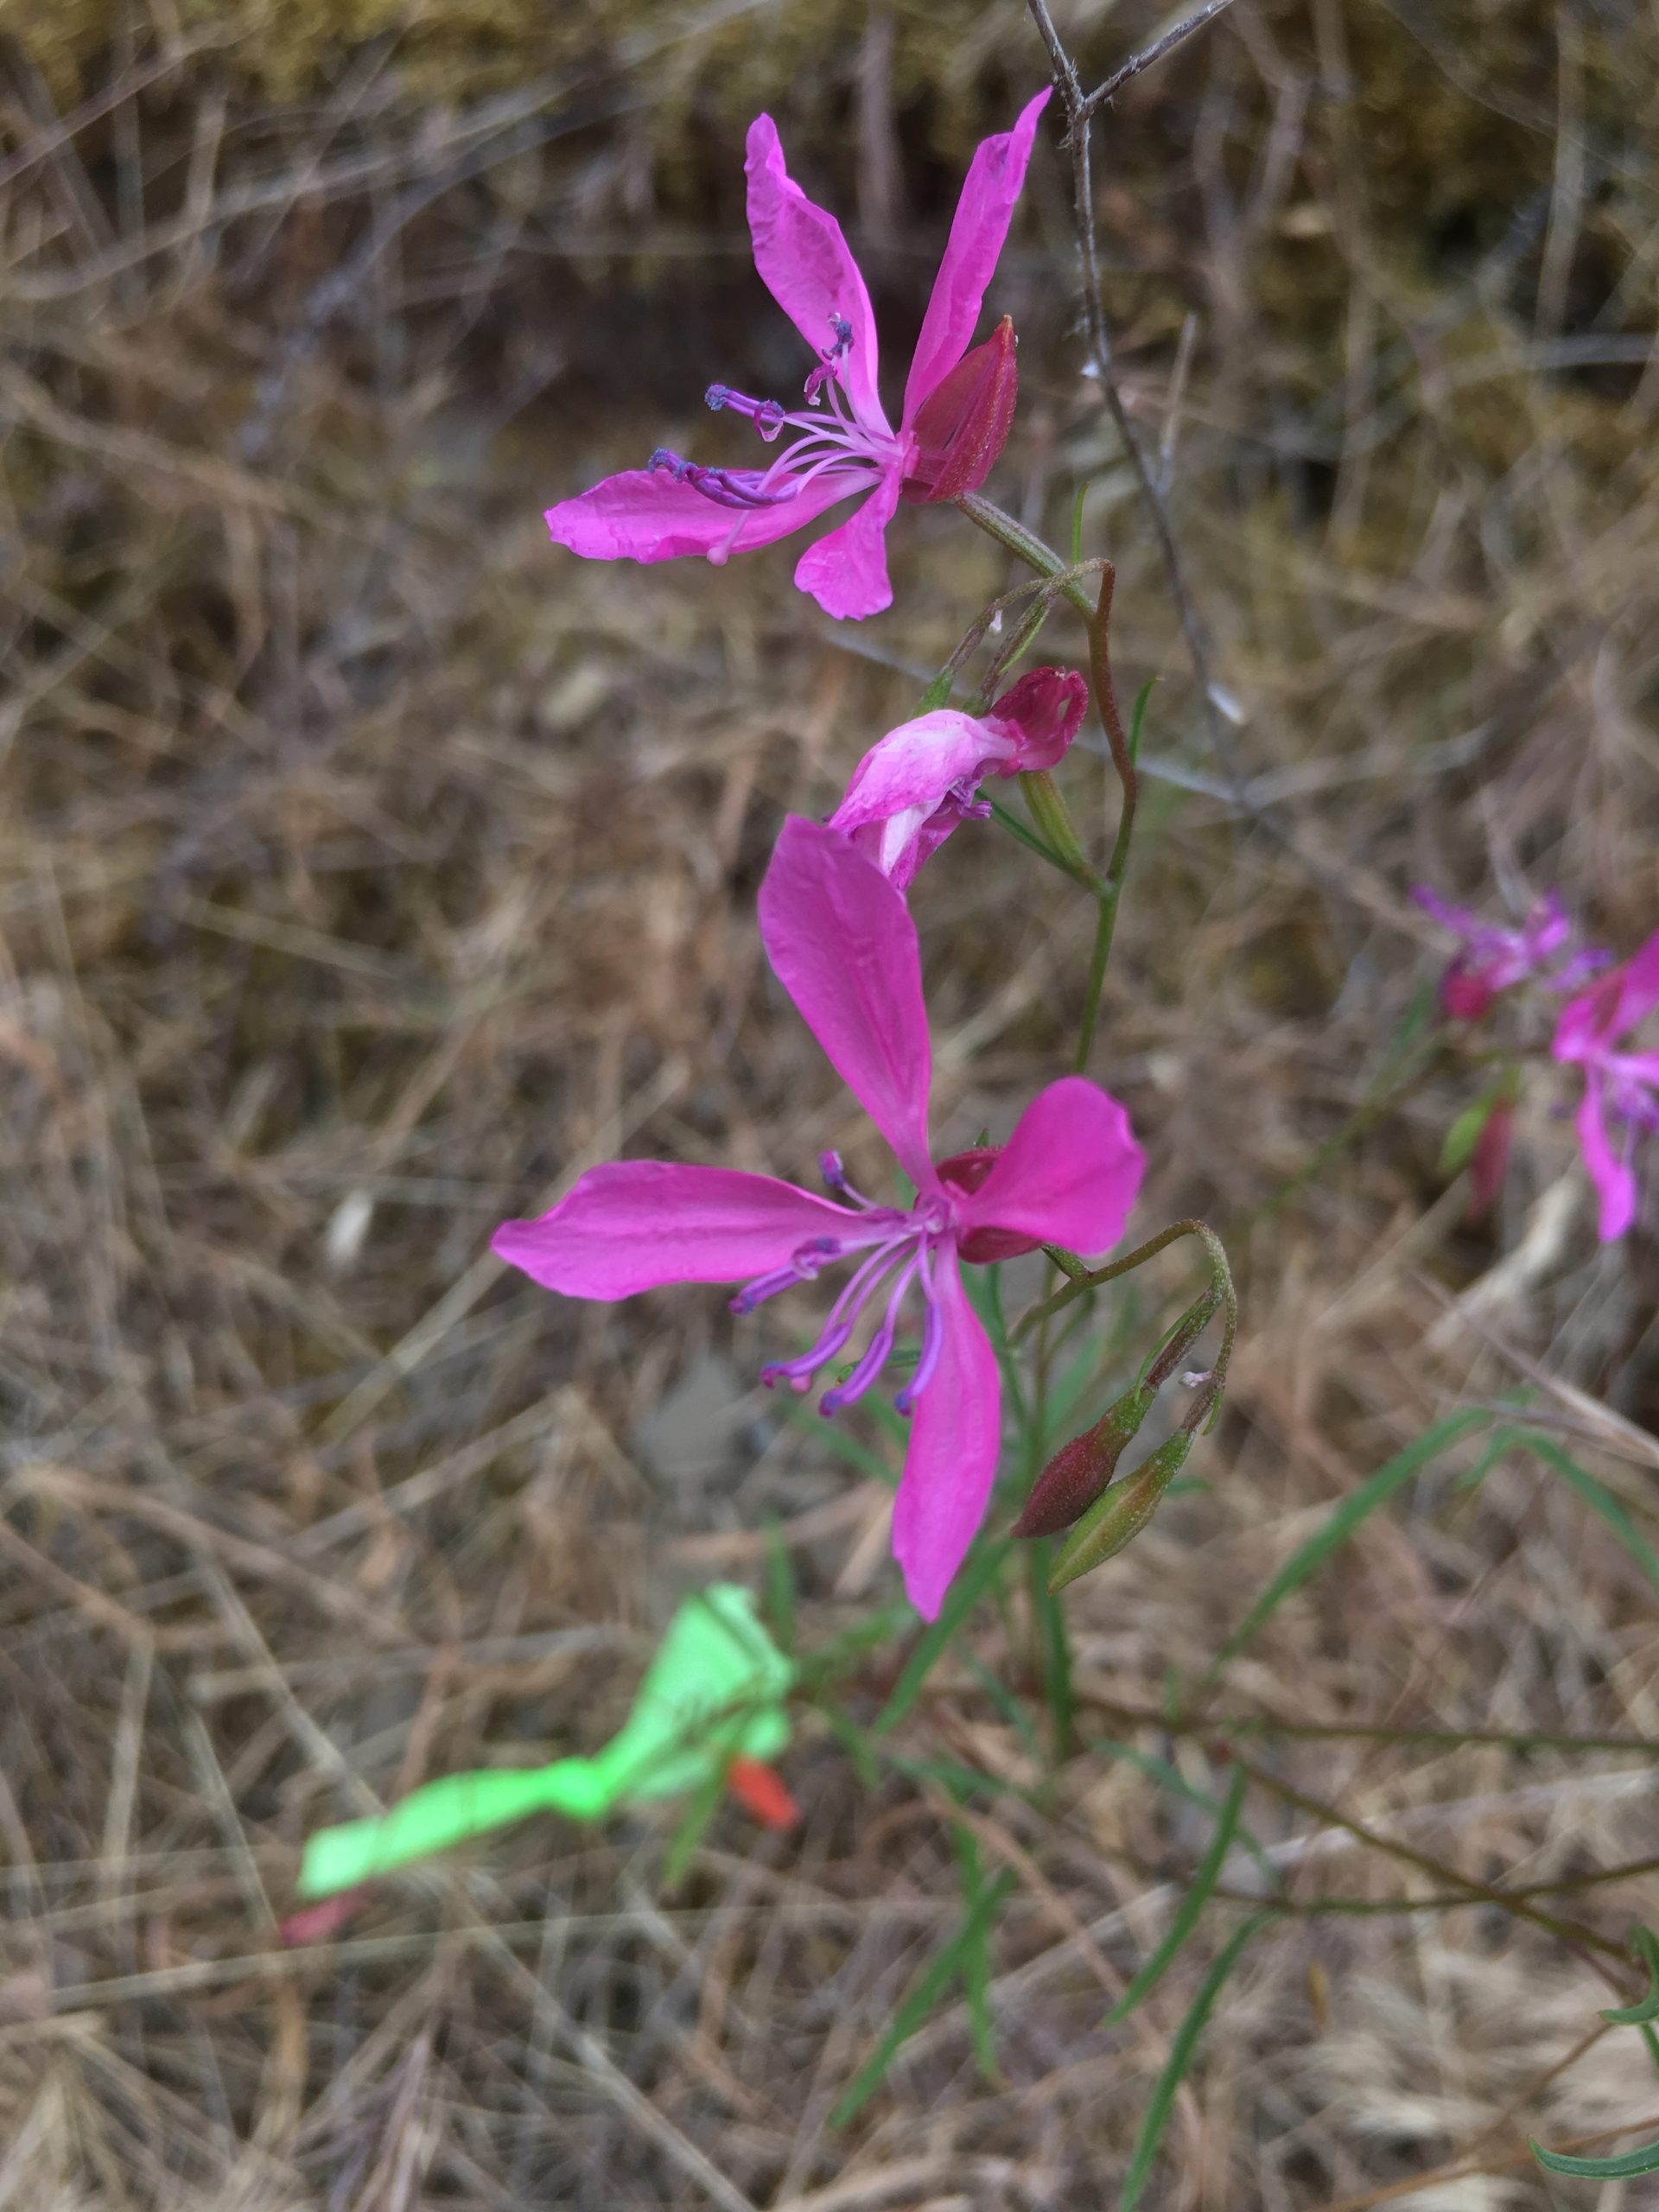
column 1493, row 959
column 1622, row 1087
column 841, row 942
column 914, row 785
column 844, row 442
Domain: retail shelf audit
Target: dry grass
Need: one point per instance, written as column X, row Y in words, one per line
column 369, row 868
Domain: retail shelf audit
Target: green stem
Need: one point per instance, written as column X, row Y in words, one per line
column 1105, row 923
column 1221, row 1274
column 1024, row 545
column 1068, row 581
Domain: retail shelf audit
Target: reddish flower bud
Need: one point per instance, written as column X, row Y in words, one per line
column 1081, row 1469
column 1465, row 992
column 1490, row 1158
column 963, row 424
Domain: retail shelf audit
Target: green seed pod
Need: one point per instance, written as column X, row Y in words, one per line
column 1122, row 1514
column 1053, row 817
column 1079, row 1470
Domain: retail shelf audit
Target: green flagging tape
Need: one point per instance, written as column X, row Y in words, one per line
column 714, row 1691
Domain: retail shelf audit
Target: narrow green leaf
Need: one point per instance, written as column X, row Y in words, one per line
column 846, row 1652
column 976, row 1968
column 1007, row 1704
column 964, row 1594
column 1421, row 1017
column 1644, row 2161
column 1465, row 1134
column 694, row 1825
column 919, row 2002
column 1056, row 1651
column 1176, row 2066
column 839, row 1441
column 1170, row 1778
column 962, row 1782
column 1138, row 716
column 1644, row 1947
column 975, row 1961
column 1597, row 1495
column 1186, row 1917
column 856, row 1744
column 1077, row 523
column 1067, row 1390
column 780, row 1588
column 1346, row 1518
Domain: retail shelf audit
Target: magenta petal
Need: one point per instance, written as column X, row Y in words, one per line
column 843, row 946
column 981, row 224
column 898, row 794
column 956, row 1434
column 916, row 764
column 634, row 1224
column 644, row 515
column 1614, row 1178
column 1581, row 1028
column 808, row 267
column 1068, row 1175
column 847, row 571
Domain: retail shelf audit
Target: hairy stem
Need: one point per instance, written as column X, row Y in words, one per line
column 1209, row 1402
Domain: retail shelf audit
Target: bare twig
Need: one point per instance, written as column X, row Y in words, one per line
column 1104, row 93
column 1078, row 112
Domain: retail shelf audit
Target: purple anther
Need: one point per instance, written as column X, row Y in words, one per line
column 766, row 415
column 833, row 1170
column 747, row 488
column 828, row 368
column 798, row 1373
column 803, row 1266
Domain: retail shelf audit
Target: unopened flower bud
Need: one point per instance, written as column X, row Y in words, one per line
column 1489, row 1159
column 1081, row 1469
column 1124, row 1511
column 1465, row 992
column 963, row 424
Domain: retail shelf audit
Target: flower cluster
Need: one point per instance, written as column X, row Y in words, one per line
column 1621, row 1088
column 1620, row 1100
column 833, row 915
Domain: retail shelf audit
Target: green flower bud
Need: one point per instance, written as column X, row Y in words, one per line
column 1081, row 1469
column 1122, row 1513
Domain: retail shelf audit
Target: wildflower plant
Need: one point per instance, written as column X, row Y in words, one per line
column 999, row 1462
column 833, row 916
column 1538, row 971
column 919, row 1309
